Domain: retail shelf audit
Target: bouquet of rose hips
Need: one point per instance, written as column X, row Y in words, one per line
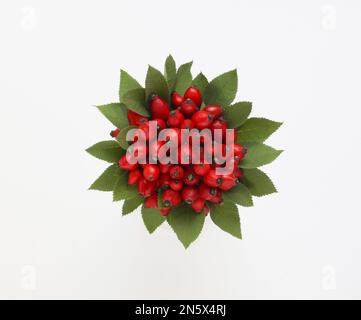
column 182, row 150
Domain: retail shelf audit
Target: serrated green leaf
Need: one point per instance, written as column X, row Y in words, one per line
column 152, row 218
column 107, row 179
column 259, row 154
column 122, row 137
column 184, row 78
column 201, row 82
column 122, row 190
column 222, row 90
column 236, row 114
column 109, row 151
column 116, row 113
column 155, row 83
column 170, row 72
column 240, row 195
column 131, row 204
column 186, row 223
column 135, row 101
column 258, row 182
column 226, row 217
column 127, row 83
column 257, row 129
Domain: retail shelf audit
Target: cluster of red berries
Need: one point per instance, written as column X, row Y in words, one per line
column 192, row 183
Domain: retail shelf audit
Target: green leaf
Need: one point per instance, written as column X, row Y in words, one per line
column 155, row 83
column 122, row 190
column 127, row 83
column 184, row 78
column 222, row 90
column 122, row 137
column 109, row 151
column 131, row 204
column 258, row 155
column 152, row 218
column 258, row 182
column 186, row 223
column 135, row 101
column 201, row 82
column 107, row 180
column 257, row 129
column 240, row 195
column 116, row 113
column 226, row 217
column 170, row 72
column 237, row 113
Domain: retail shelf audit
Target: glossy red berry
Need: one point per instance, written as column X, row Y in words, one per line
column 188, row 107
column 159, row 108
column 190, row 178
column 177, row 173
column 217, row 198
column 164, row 180
column 136, row 119
column 202, row 168
column 207, row 192
column 239, row 151
column 152, row 201
column 211, row 179
column 198, row 205
column 175, row 119
column 171, row 198
column 165, row 168
column 177, row 99
column 187, row 124
column 125, row 165
column 214, row 110
column 202, row 119
column 151, row 172
column 134, row 177
column 228, row 182
column 146, row 188
column 194, row 94
column 176, row 185
column 189, row 194
column 114, row 133
column 160, row 124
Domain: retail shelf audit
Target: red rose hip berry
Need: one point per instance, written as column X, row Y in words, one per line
column 177, row 173
column 202, row 168
column 177, row 99
column 194, row 94
column 159, row 108
column 125, row 165
column 175, row 119
column 152, row 201
column 176, row 185
column 198, row 205
column 214, row 110
column 151, row 172
column 188, row 107
column 189, row 194
column 171, row 198
column 190, row 178
column 134, row 177
column 202, row 119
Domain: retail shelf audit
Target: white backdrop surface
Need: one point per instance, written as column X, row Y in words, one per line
column 298, row 61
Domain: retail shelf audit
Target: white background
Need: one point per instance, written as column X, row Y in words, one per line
column 298, row 61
